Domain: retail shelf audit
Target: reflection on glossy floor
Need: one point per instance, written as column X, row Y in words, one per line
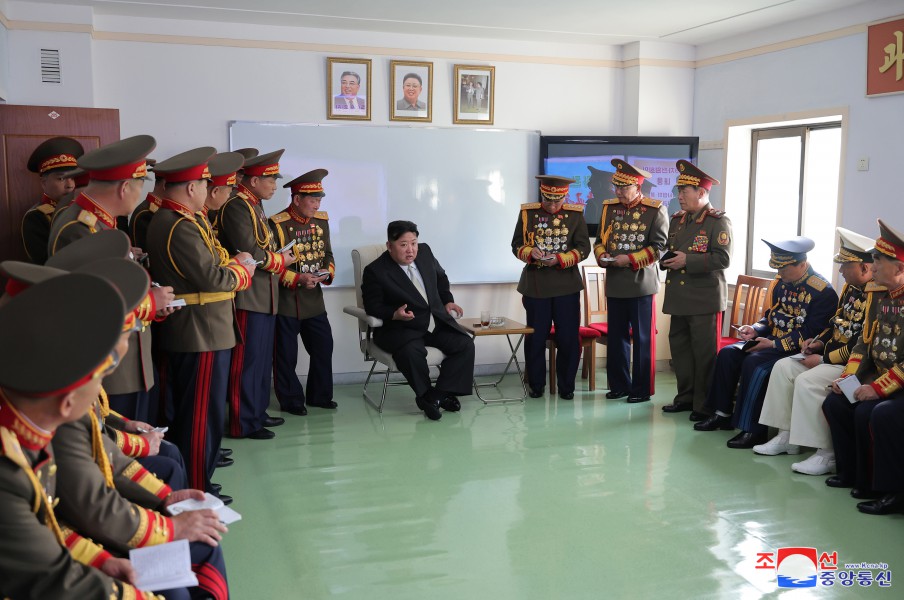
column 552, row 499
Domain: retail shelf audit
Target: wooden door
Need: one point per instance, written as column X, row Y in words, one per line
column 22, row 128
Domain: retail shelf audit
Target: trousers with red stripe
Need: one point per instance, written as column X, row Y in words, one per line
column 250, row 373
column 199, row 381
column 209, row 566
column 632, row 322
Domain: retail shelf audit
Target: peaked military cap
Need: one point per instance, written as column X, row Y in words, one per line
column 126, row 276
column 264, row 165
column 790, row 251
column 691, row 174
column 554, row 187
column 309, row 184
column 79, row 177
column 23, row 275
column 120, row 160
column 248, row 152
column 190, row 165
column 223, row 168
column 854, row 247
column 55, row 153
column 890, row 243
column 626, row 174
column 103, row 244
column 48, row 346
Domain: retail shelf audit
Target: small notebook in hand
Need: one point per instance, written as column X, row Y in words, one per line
column 668, row 255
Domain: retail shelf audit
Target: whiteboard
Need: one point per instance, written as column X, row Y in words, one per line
column 461, row 186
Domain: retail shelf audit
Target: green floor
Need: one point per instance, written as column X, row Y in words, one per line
column 552, row 499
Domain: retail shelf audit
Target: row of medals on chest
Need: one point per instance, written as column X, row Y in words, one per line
column 626, row 234
column 885, row 346
column 551, row 235
column 309, row 247
column 789, row 313
column 850, row 322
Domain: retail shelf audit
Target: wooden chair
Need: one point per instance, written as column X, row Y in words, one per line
column 595, row 309
column 747, row 307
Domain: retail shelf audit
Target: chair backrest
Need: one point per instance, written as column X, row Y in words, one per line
column 594, row 294
column 361, row 257
column 749, row 296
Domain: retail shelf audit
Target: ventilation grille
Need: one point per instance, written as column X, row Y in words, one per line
column 50, row 66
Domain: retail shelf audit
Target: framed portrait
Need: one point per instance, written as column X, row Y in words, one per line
column 473, row 95
column 411, row 91
column 348, row 88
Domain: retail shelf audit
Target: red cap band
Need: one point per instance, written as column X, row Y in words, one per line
column 218, row 180
column 262, row 170
column 195, row 173
column 135, row 170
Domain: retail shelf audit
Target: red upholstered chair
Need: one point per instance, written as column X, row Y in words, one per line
column 747, row 307
column 589, row 337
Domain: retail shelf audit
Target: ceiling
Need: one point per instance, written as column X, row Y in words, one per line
column 604, row 22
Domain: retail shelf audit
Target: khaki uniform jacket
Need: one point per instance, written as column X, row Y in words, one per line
column 120, row 517
column 699, row 287
column 34, row 564
column 878, row 356
column 185, row 255
column 36, row 230
column 312, row 237
column 639, row 231
column 563, row 234
column 243, row 228
column 82, row 218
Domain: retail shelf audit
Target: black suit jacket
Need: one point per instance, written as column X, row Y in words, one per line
column 386, row 287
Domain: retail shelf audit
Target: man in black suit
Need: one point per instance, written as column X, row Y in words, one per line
column 408, row 289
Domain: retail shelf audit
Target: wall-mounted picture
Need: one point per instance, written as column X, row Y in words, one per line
column 348, row 88
column 411, row 91
column 473, row 95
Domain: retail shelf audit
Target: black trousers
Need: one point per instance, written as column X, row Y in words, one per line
column 631, row 320
column 456, row 374
column 317, row 338
column 565, row 312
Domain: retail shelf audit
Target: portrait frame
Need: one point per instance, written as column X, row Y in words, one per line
column 468, row 84
column 338, row 69
column 399, row 108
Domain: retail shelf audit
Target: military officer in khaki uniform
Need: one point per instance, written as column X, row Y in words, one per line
column 866, row 433
column 699, row 251
column 301, row 308
column 53, row 160
column 551, row 238
column 34, row 401
column 141, row 216
column 117, row 173
column 632, row 237
column 199, row 338
column 243, row 228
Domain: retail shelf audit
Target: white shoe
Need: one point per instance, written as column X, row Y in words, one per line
column 777, row 445
column 821, row 463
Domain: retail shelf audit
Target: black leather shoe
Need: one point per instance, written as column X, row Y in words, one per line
column 227, row 500
column 677, row 407
column 327, row 404
column 224, row 452
column 430, row 408
column 566, row 395
column 697, row 416
column 714, row 422
column 536, row 392
column 215, row 488
column 746, row 439
column 273, row 421
column 450, row 403
column 297, row 410
column 887, row 504
column 261, row 434
column 613, row 395
column 637, row 399
column 225, row 461
column 836, row 481
column 865, row 494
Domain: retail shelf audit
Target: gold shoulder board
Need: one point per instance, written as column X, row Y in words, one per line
column 46, row 209
column 650, row 202
column 322, row 214
column 280, row 217
column 611, row 201
column 716, row 214
column 530, row 205
column 678, row 214
column 817, row 283
column 872, row 286
column 87, row 218
column 575, row 207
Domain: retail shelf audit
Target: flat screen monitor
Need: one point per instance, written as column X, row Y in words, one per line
column 588, row 160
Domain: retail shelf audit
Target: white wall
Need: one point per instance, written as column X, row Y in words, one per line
column 4, row 62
